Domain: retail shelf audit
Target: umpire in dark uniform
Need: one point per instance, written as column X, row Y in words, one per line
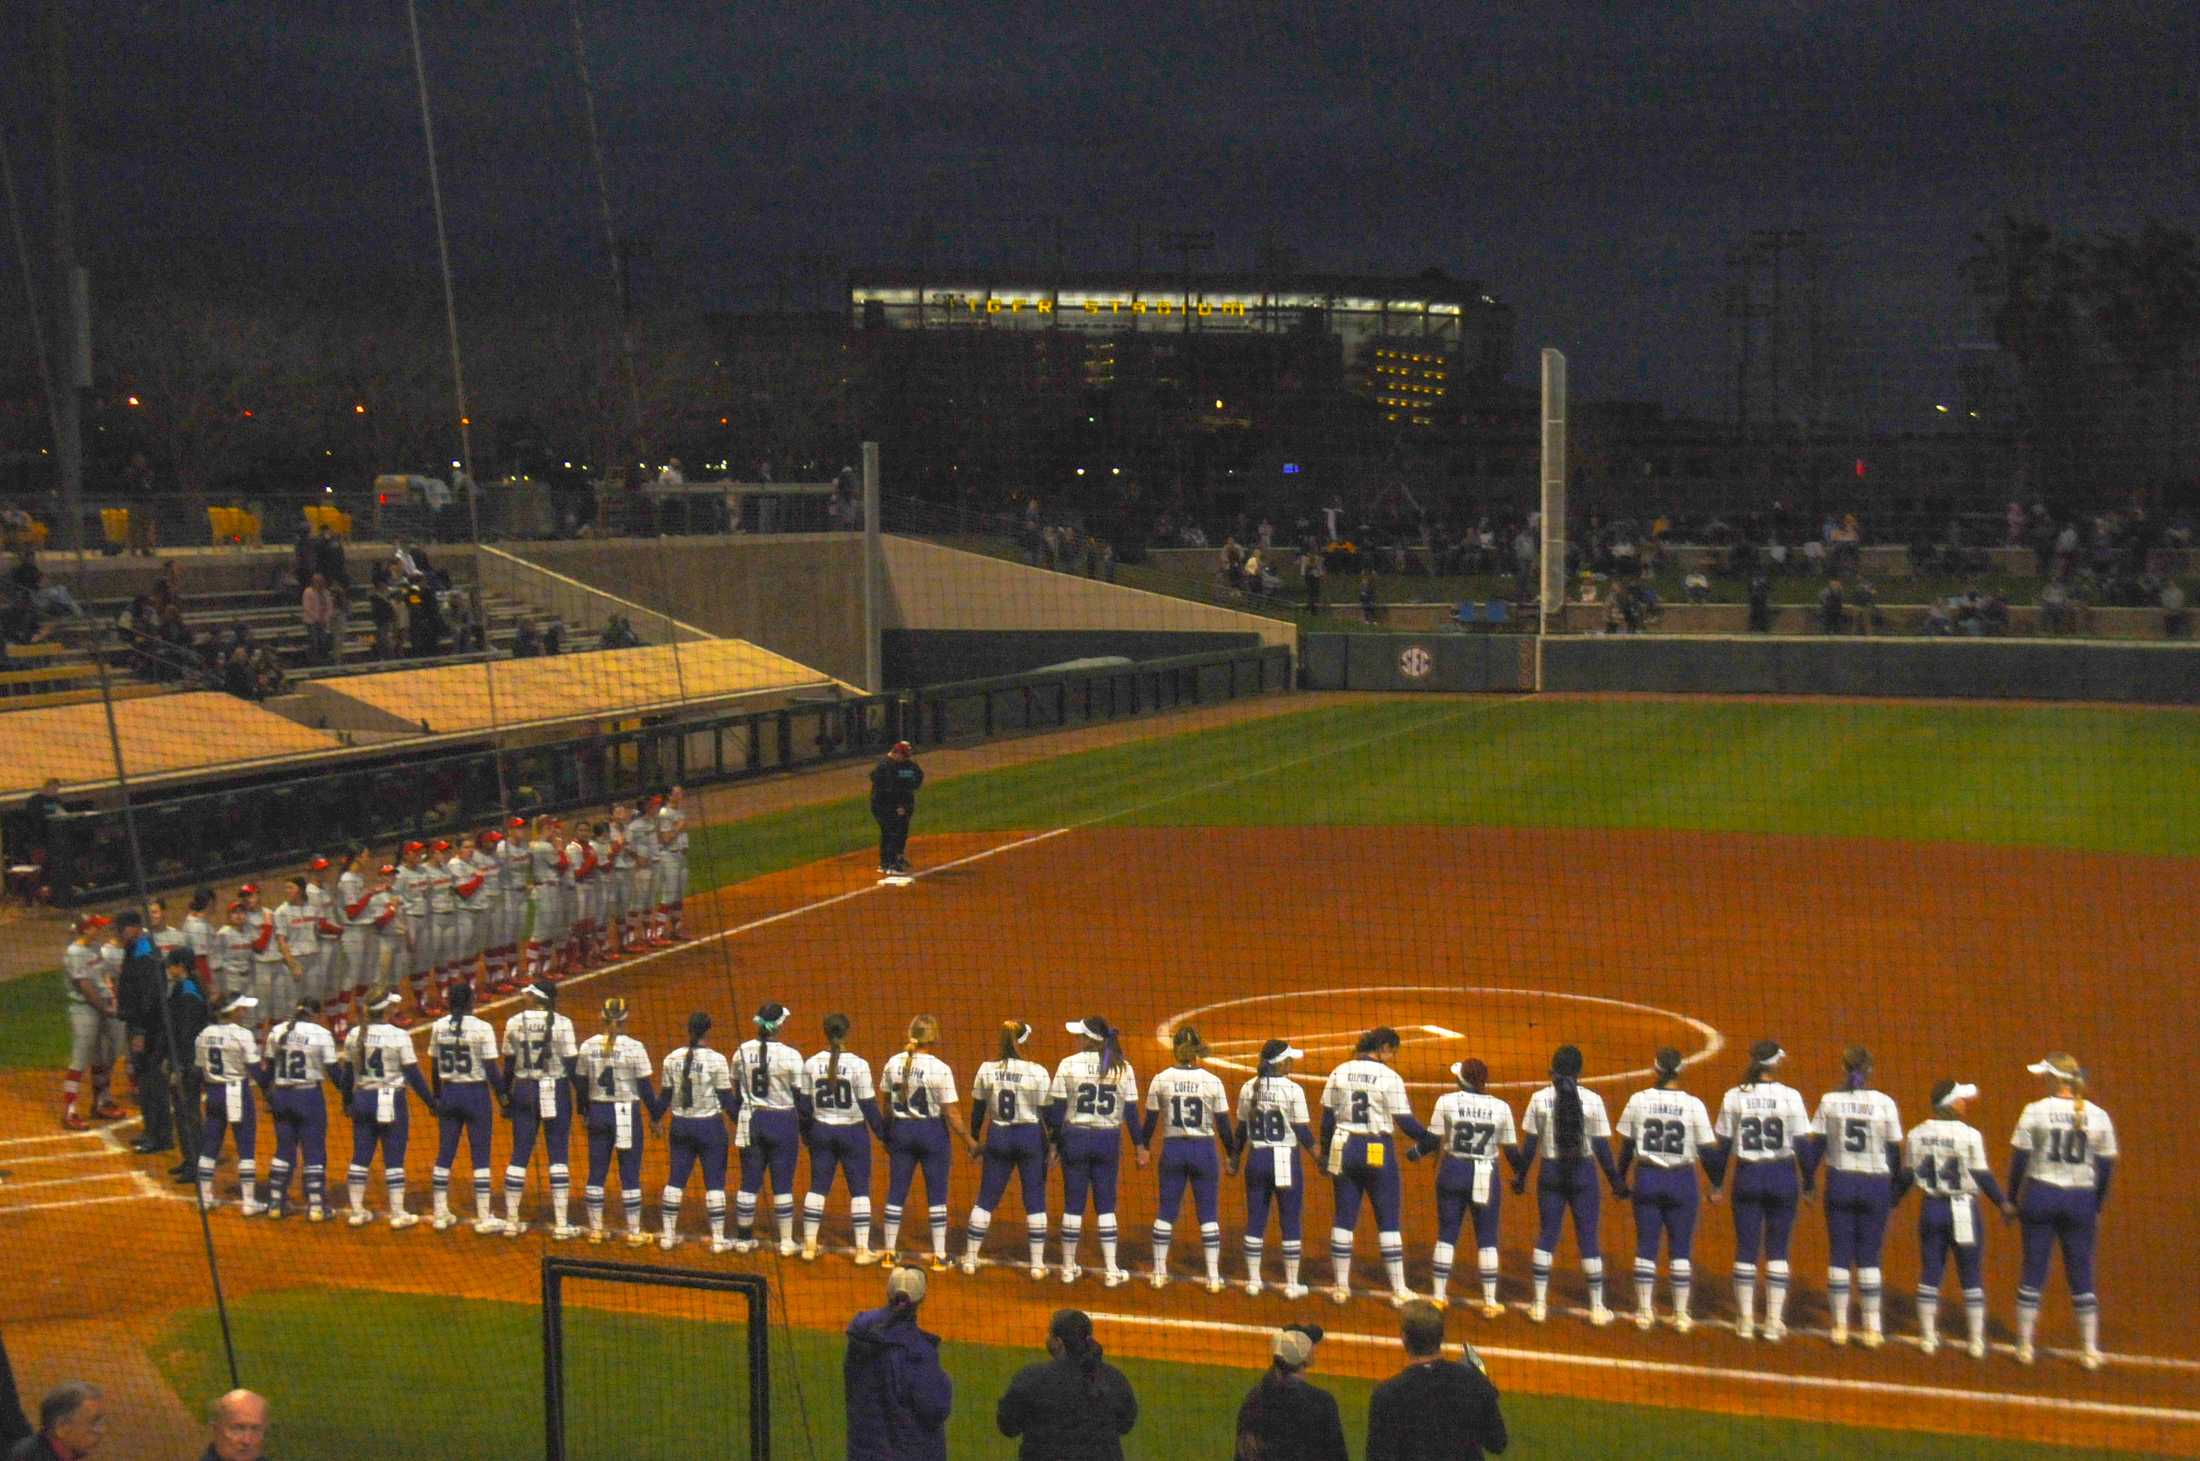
column 187, row 1015
column 140, row 992
column 894, row 783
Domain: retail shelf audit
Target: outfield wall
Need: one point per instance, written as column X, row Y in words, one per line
column 1991, row 669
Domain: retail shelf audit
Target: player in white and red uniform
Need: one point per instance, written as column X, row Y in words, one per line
column 410, row 882
column 641, row 890
column 95, row 1033
column 489, row 919
column 672, row 846
column 297, row 934
column 468, row 905
column 322, row 973
column 511, row 851
column 544, row 859
column 198, row 931
column 588, row 875
column 573, row 851
column 442, row 923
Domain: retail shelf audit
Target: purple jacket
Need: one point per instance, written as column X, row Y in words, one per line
column 898, row 1396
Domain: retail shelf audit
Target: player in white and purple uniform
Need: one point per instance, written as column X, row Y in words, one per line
column 844, row 1115
column 1008, row 1098
column 300, row 1055
column 1761, row 1126
column 1947, row 1160
column 768, row 1073
column 382, row 1066
column 2063, row 1154
column 1664, row 1132
column 464, row 1050
column 700, row 1095
column 1273, row 1125
column 1473, row 1129
column 615, row 1069
column 1362, row 1101
column 1094, row 1097
column 542, row 1064
column 920, row 1111
column 226, row 1052
column 1570, row 1126
column 1191, row 1111
column 1859, row 1136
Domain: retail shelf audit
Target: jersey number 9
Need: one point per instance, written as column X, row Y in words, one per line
column 1768, row 1134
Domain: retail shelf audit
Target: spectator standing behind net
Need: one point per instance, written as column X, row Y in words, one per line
column 898, row 1396
column 14, row 1425
column 239, row 1423
column 894, row 783
column 1433, row 1408
column 1074, row 1406
column 1284, row 1418
column 72, row 1420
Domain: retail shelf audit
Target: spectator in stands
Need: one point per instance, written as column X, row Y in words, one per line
column 1313, row 571
column 618, row 634
column 553, row 637
column 897, row 1395
column 237, row 677
column 1697, row 585
column 1865, row 599
column 527, row 641
column 1760, row 604
column 1284, row 1418
column 72, row 1420
column 1367, row 597
column 382, row 601
column 1814, row 555
column 239, row 1422
column 1434, row 1407
column 317, row 608
column 2176, row 620
column 2055, row 610
column 328, row 556
column 424, row 616
column 19, row 622
column 268, row 678
column 50, row 599
column 168, row 587
column 1074, row 1406
column 1832, row 613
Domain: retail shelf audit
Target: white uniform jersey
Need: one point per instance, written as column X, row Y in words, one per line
column 1366, row 1096
column 1472, row 1126
column 232, row 957
column 1188, row 1100
column 837, row 1099
column 385, row 911
column 317, row 899
column 672, row 837
column 1669, row 1128
column 1541, row 1121
column 930, row 1085
column 1942, row 1154
column 2063, row 1144
column 1271, row 1109
column 512, row 859
column 1092, row 1100
column 694, row 1092
column 462, row 1053
column 462, row 875
column 538, row 1043
column 1766, row 1122
column 411, row 882
column 491, row 872
column 641, row 838
column 272, row 949
column 599, row 848
column 441, row 899
column 1013, row 1092
column 81, row 965
column 227, row 1053
column 769, row 1075
column 297, row 929
column 379, row 1055
column 569, row 870
column 198, row 933
column 614, row 1067
column 300, row 1052
column 351, row 892
column 622, row 856
column 542, row 862
column 167, row 940
column 1858, row 1127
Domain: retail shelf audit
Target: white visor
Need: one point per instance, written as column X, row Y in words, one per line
column 1292, row 1052
column 2044, row 1067
column 1024, row 1035
column 1963, row 1092
column 1077, row 1027
column 240, row 1002
column 393, row 997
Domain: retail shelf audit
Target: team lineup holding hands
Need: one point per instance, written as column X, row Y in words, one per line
column 768, row 1103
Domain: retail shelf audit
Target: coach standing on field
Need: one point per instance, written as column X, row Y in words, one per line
column 1434, row 1409
column 894, row 783
column 140, row 993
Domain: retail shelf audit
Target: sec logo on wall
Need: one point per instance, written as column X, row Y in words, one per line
column 1414, row 662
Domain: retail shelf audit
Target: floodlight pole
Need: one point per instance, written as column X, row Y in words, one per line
column 1551, row 599
column 871, row 678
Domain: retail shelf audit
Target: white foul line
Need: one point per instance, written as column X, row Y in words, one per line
column 6, row 1212
column 1708, row 1372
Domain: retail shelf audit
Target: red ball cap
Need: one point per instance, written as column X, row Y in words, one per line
column 318, row 865
column 249, row 888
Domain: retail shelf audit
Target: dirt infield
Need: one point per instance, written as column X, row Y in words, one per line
column 1948, row 960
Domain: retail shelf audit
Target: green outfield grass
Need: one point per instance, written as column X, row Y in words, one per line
column 448, row 1377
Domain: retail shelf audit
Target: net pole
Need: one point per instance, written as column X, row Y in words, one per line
column 1551, row 601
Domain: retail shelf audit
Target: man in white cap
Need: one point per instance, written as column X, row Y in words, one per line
column 898, row 1396
column 1284, row 1418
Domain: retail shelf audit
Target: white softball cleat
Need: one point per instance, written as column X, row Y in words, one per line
column 1038, row 1272
column 1399, row 1298
column 1976, row 1349
column 564, row 1233
column 1071, row 1272
column 1538, row 1311
column 789, row 1248
column 1929, row 1344
column 596, row 1235
column 1216, row 1285
column 636, row 1238
column 810, row 1251
column 1871, row 1339
column 250, row 1208
column 1493, row 1311
column 1774, row 1333
column 1115, row 1278
column 668, row 1241
column 2091, row 1359
column 1600, row 1316
column 401, row 1220
column 444, row 1222
column 1253, row 1287
column 721, row 1245
column 316, row 1214
column 1838, row 1335
column 1159, row 1278
column 359, row 1217
column 488, row 1227
column 1744, row 1329
column 2025, row 1355
column 1293, row 1291
column 865, row 1257
column 1341, row 1294
column 1645, row 1320
column 1683, row 1323
column 969, row 1263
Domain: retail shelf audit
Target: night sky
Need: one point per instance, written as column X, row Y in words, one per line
column 1591, row 163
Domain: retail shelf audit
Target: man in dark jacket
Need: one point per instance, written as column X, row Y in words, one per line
column 1284, row 1418
column 1433, row 1408
column 1074, row 1407
column 187, row 1015
column 898, row 1397
column 14, row 1425
column 894, row 783
column 139, row 993
column 72, row 1419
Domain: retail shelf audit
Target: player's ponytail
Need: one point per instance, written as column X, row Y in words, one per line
column 1111, row 1055
column 1189, row 1049
column 768, row 1019
column 1472, row 1074
column 1566, row 1107
column 698, row 1031
column 1013, row 1035
column 1072, row 1328
column 836, row 1030
column 1763, row 1056
column 1667, row 1063
column 1856, row 1066
column 923, row 1030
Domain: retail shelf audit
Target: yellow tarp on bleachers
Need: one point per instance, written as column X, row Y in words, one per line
column 160, row 734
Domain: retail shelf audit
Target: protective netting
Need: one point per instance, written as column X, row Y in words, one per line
column 1133, row 845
